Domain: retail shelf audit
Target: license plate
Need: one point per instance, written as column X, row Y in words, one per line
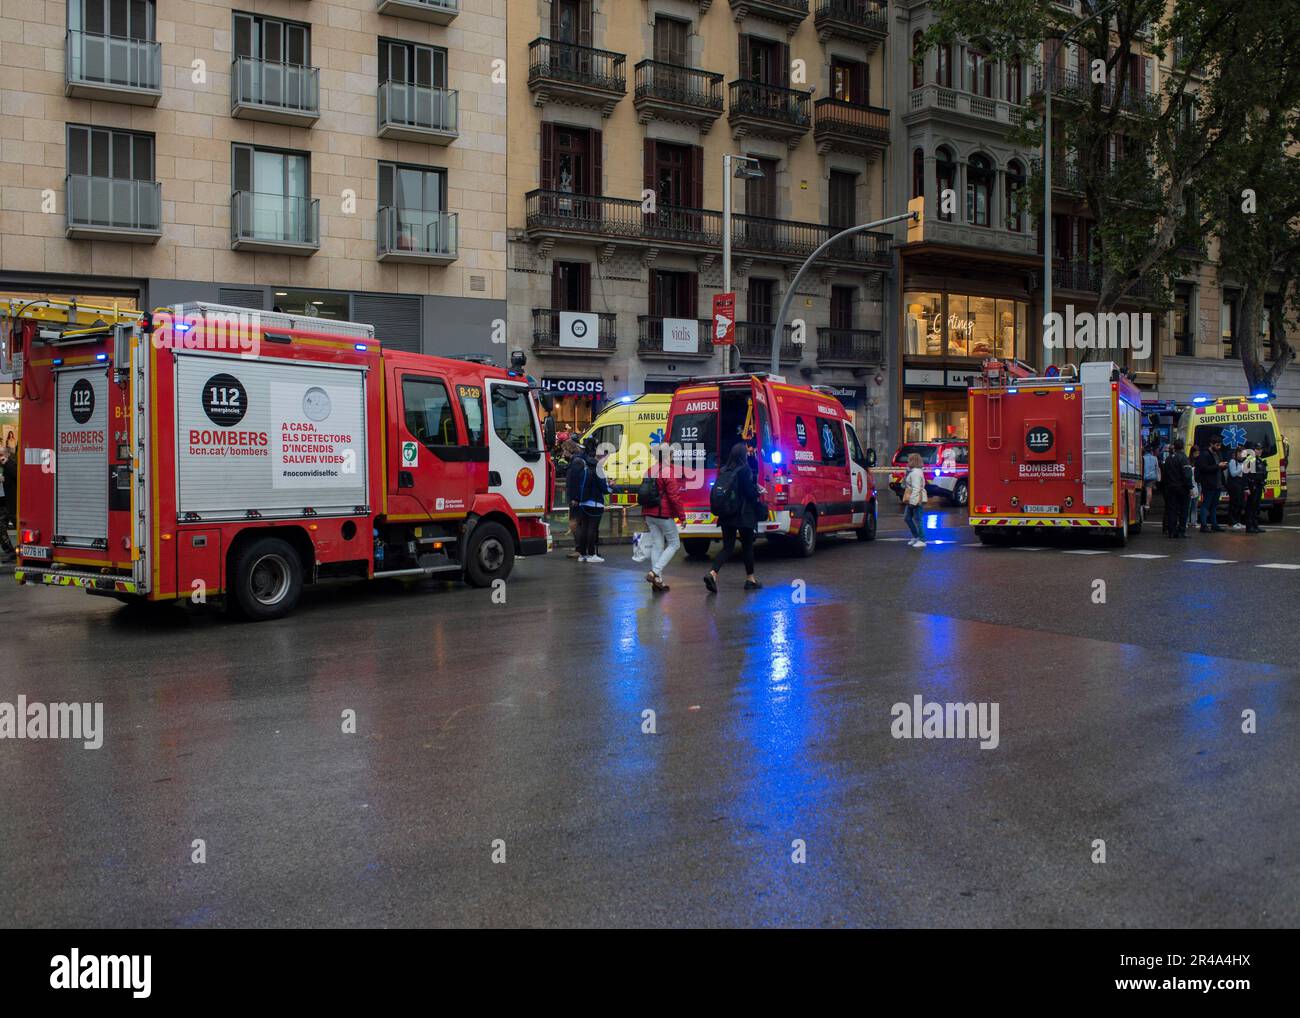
column 699, row 517
column 33, row 551
column 1041, row 508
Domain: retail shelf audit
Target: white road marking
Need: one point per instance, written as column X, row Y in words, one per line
column 1021, row 547
column 1212, row 561
column 1087, row 551
column 1276, row 565
column 893, row 538
column 1143, row 555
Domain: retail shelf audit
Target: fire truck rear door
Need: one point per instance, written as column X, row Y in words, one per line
column 81, row 457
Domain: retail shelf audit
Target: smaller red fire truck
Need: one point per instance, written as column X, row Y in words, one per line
column 1058, row 451
column 817, row 476
column 209, row 451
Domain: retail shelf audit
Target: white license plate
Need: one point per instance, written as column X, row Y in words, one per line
column 33, row 551
column 699, row 517
column 1041, row 508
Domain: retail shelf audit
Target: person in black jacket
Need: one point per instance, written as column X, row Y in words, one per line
column 737, row 474
column 8, row 498
column 1257, row 482
column 1178, row 487
column 1210, row 471
column 586, row 488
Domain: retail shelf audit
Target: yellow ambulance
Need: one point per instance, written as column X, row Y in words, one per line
column 1238, row 421
column 630, row 425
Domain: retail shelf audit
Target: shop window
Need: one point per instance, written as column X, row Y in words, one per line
column 924, row 324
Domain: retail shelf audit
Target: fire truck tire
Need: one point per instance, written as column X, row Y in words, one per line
column 268, row 579
column 806, row 543
column 867, row 532
column 960, row 494
column 1275, row 513
column 1136, row 527
column 696, row 547
column 490, row 554
column 1121, row 532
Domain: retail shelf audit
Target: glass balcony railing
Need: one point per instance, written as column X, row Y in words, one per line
column 418, row 108
column 106, row 61
column 438, row 12
column 107, row 205
column 416, row 234
column 274, row 221
column 288, row 88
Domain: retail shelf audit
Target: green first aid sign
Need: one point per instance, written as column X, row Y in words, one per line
column 410, row 454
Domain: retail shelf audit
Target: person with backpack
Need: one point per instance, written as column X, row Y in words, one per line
column 914, row 499
column 736, row 500
column 586, row 488
column 660, row 499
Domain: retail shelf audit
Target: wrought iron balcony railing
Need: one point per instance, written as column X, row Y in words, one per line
column 850, row 346
column 864, row 20
column 546, row 333
column 584, row 66
column 687, row 87
column 754, row 343
column 851, row 122
column 650, row 338
column 775, row 103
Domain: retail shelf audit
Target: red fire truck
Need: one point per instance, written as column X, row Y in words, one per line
column 1058, row 451
column 204, row 450
column 817, row 475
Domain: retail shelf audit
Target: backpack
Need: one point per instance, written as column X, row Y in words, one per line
column 647, row 495
column 724, row 499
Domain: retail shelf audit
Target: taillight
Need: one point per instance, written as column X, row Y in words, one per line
column 1101, row 510
column 30, row 536
column 781, row 489
column 986, row 508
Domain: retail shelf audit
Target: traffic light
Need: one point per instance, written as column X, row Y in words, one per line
column 916, row 225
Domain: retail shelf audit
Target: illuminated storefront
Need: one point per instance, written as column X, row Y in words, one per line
column 577, row 401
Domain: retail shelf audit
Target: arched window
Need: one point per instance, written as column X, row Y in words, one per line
column 1015, row 196
column 943, row 74
column 918, row 68
column 918, row 173
column 979, row 190
column 1015, row 82
column 945, row 172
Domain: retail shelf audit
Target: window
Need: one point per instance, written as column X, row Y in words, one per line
column 1228, row 325
column 670, row 40
column 429, row 417
column 979, row 190
column 842, row 301
column 945, row 171
column 673, row 294
column 411, row 64
column 918, row 173
column 850, row 81
column 694, row 439
column 1184, row 340
column 979, row 73
column 571, row 163
column 918, row 65
column 113, row 155
column 512, row 417
column 272, row 186
column 924, row 324
column 571, row 286
column 413, row 82
column 760, row 192
column 273, row 40
column 764, row 60
column 1015, row 196
column 943, row 72
column 412, row 201
column 1015, row 82
column 471, row 408
column 610, row 436
column 831, row 433
column 855, row 447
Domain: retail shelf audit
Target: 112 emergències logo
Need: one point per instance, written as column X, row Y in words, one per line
column 75, row 971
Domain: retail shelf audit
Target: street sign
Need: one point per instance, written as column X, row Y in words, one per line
column 724, row 319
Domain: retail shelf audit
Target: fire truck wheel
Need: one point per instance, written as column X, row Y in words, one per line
column 696, row 547
column 1121, row 532
column 268, row 579
column 806, row 543
column 490, row 554
column 867, row 532
column 960, row 494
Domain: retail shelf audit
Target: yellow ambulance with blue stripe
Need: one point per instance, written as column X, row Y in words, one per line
column 629, row 426
column 1242, row 421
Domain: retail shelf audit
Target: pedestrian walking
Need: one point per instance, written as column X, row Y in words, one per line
column 1210, row 470
column 736, row 500
column 660, row 498
column 587, row 488
column 1258, row 480
column 1150, row 474
column 1178, row 480
column 914, row 499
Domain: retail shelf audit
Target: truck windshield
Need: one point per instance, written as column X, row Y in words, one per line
column 694, row 439
column 512, row 417
column 1234, row 435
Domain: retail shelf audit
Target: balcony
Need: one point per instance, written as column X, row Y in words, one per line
column 416, row 235
column 1067, row 177
column 1069, row 86
column 788, row 13
column 112, row 69
column 438, row 12
column 546, row 335
column 273, row 92
column 103, row 208
column 950, row 105
column 769, row 111
column 1085, row 277
column 850, row 127
column 563, row 72
column 850, row 348
column 650, row 340
column 683, row 95
column 862, row 21
column 274, row 223
column 754, row 344
column 418, row 113
column 551, row 216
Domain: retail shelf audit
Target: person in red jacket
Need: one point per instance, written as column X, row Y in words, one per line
column 661, row 520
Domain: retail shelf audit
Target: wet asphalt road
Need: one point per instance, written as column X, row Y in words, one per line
column 522, row 722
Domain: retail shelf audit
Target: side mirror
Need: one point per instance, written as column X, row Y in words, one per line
column 548, row 432
column 547, row 400
column 871, row 458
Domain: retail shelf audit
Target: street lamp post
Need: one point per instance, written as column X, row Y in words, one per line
column 779, row 330
column 747, row 168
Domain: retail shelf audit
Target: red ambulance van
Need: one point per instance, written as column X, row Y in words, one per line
column 817, row 475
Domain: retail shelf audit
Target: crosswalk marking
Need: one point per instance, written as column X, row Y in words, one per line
column 1212, row 561
column 1276, row 565
column 1143, row 555
column 1087, row 551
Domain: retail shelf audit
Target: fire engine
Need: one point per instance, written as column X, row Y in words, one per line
column 817, row 475
column 203, row 450
column 1055, row 451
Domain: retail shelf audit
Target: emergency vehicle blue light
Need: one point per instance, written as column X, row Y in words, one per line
column 360, row 346
column 1013, row 390
column 101, row 356
column 182, row 326
column 1200, row 399
column 57, row 361
column 1068, row 388
column 1260, row 395
column 776, row 455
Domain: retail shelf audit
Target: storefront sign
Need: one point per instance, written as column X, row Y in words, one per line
column 575, row 386
column 848, row 397
column 681, row 335
column 579, row 330
column 960, row 379
column 920, row 376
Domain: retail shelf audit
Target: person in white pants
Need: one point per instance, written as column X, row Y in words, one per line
column 662, row 514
